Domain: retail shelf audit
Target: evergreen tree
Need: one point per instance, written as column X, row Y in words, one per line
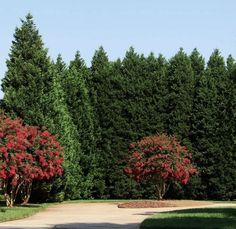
column 231, row 67
column 194, row 189
column 33, row 93
column 133, row 71
column 180, row 98
column 220, row 172
column 79, row 106
column 210, row 131
column 97, row 112
column 97, row 83
column 59, row 121
column 197, row 63
column 156, row 93
column 27, row 79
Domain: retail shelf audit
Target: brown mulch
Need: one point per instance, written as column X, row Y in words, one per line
column 162, row 203
column 145, row 204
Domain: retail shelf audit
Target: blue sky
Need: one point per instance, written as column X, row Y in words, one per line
column 147, row 25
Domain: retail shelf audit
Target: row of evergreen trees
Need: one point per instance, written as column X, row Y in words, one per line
column 98, row 111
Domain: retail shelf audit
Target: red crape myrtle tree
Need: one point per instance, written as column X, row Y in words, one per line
column 160, row 159
column 26, row 153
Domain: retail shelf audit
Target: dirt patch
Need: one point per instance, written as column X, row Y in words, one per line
column 163, row 203
column 146, row 204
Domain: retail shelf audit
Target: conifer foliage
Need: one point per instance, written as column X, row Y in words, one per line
column 97, row 111
column 27, row 79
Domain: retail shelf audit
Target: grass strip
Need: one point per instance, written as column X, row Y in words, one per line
column 19, row 212
column 201, row 218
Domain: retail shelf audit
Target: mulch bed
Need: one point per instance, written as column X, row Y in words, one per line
column 145, row 204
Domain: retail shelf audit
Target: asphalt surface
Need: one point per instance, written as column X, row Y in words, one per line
column 90, row 215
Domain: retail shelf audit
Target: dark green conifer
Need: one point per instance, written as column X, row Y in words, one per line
column 27, row 79
column 180, row 96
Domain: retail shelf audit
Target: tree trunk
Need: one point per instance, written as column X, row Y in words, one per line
column 161, row 187
column 26, row 192
column 9, row 200
column 11, row 191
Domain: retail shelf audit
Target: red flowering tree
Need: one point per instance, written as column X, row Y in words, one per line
column 160, row 159
column 26, row 153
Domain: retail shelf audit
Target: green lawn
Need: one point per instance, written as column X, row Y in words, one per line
column 19, row 212
column 202, row 218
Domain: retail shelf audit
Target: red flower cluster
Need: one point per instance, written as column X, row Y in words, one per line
column 27, row 153
column 160, row 157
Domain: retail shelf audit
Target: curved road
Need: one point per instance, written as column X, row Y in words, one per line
column 90, row 215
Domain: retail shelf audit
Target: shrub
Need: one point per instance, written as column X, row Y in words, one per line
column 26, row 154
column 160, row 159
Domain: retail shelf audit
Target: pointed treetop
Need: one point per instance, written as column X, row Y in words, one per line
column 230, row 62
column 28, row 21
column 216, row 60
column 131, row 52
column 60, row 64
column 161, row 59
column 78, row 63
column 195, row 54
column 131, row 58
column 197, row 62
column 29, row 16
column 180, row 58
column 100, row 59
column 100, row 52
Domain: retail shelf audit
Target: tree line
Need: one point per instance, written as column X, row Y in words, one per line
column 98, row 111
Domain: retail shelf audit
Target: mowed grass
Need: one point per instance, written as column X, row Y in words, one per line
column 19, row 212
column 202, row 218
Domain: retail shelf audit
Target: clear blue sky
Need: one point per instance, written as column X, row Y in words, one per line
column 147, row 25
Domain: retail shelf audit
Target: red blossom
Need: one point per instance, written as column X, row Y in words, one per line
column 160, row 156
column 27, row 153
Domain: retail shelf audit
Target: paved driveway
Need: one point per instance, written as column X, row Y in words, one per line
column 87, row 216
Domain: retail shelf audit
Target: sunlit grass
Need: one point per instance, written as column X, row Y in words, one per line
column 19, row 212
column 203, row 218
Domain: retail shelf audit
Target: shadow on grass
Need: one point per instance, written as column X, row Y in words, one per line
column 228, row 212
column 28, row 206
column 97, row 225
column 204, row 218
column 147, row 213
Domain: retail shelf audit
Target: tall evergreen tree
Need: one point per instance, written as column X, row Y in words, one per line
column 59, row 121
column 180, row 98
column 210, row 131
column 97, row 84
column 80, row 109
column 220, row 173
column 231, row 67
column 133, row 70
column 194, row 189
column 197, row 63
column 32, row 92
column 27, row 79
column 97, row 112
column 156, row 93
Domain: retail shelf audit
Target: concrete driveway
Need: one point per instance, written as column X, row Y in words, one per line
column 89, row 215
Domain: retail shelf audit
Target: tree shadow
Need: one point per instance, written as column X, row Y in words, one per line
column 28, row 205
column 97, row 226
column 147, row 213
